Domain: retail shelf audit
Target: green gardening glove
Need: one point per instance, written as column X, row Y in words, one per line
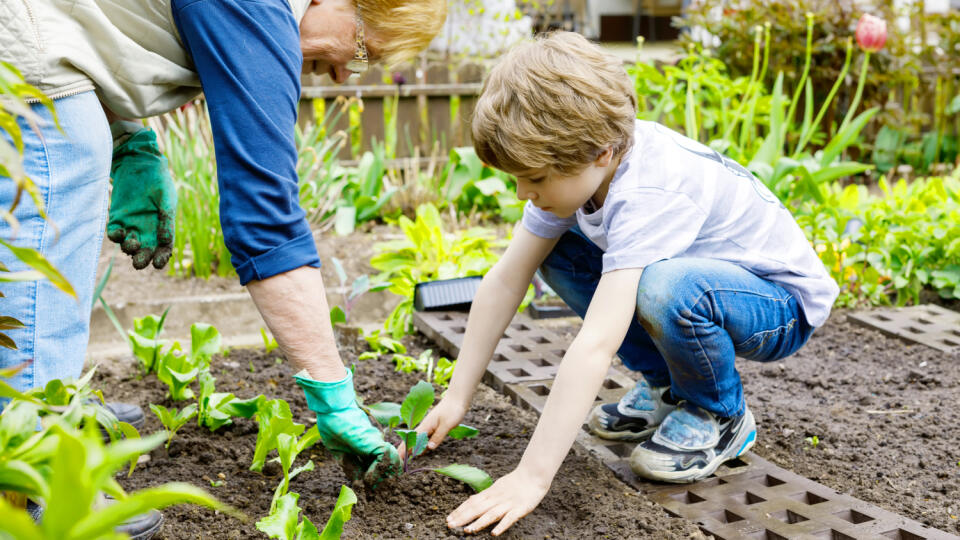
column 143, row 205
column 346, row 430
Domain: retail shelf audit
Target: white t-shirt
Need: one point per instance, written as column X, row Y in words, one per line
column 674, row 197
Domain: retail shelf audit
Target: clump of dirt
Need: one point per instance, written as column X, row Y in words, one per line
column 585, row 501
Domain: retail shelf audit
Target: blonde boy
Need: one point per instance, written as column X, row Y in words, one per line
column 676, row 257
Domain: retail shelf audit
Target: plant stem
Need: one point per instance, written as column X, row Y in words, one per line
column 856, row 97
column 805, row 137
column 803, row 79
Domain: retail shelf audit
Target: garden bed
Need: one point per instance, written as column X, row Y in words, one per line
column 586, row 500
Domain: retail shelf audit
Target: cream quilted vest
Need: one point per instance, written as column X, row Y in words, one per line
column 126, row 50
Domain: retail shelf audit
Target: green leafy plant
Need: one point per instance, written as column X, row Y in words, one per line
column 15, row 97
column 409, row 414
column 381, row 343
column 67, row 465
column 438, row 370
column 358, row 288
column 428, row 253
column 217, row 409
column 284, row 521
column 145, row 340
column 472, row 185
column 70, row 511
column 172, row 419
column 269, row 343
column 288, row 448
column 274, row 419
column 888, row 248
column 813, row 441
column 178, row 371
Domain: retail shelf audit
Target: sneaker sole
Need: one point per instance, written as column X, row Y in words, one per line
column 628, row 436
column 742, row 445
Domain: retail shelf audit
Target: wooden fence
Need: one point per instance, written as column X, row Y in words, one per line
column 433, row 106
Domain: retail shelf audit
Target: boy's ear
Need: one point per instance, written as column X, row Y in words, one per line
column 604, row 158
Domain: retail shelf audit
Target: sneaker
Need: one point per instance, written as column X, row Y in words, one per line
column 691, row 443
column 635, row 417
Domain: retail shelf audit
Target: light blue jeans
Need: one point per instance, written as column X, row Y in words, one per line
column 694, row 317
column 71, row 170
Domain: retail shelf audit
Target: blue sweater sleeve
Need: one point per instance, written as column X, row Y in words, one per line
column 247, row 54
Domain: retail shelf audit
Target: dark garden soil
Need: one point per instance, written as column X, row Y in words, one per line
column 884, row 411
column 586, row 500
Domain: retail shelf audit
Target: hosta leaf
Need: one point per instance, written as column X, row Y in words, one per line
column 471, row 476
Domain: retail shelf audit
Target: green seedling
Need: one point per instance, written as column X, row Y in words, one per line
column 288, row 448
column 178, row 371
column 274, row 419
column 47, row 464
column 284, row 523
column 269, row 343
column 812, row 441
column 409, row 414
column 358, row 288
column 381, row 343
column 217, row 409
column 145, row 340
column 173, row 419
column 438, row 371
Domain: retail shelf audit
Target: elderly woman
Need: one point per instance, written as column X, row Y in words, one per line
column 139, row 58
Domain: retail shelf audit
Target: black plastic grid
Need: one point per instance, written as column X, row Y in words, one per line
column 928, row 324
column 746, row 498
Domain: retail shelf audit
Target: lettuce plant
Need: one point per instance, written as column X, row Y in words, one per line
column 284, row 522
column 216, row 409
column 409, row 414
column 172, row 419
column 145, row 340
column 288, row 448
column 178, row 371
column 274, row 419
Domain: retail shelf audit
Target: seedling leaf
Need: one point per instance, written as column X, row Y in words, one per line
column 471, row 476
column 417, row 403
column 341, row 514
column 463, row 431
column 382, row 412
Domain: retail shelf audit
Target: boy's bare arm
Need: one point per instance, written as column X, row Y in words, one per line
column 581, row 373
column 494, row 306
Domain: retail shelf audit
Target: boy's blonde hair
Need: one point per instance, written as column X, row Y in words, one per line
column 405, row 27
column 558, row 102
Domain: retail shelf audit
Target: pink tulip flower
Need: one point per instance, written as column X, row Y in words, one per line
column 871, row 33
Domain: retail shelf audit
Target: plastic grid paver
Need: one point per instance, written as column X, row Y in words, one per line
column 746, row 498
column 766, row 501
column 928, row 324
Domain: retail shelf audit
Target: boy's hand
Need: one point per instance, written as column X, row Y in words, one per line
column 507, row 500
column 439, row 421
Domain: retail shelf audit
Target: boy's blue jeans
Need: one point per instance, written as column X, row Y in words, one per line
column 71, row 170
column 694, row 316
